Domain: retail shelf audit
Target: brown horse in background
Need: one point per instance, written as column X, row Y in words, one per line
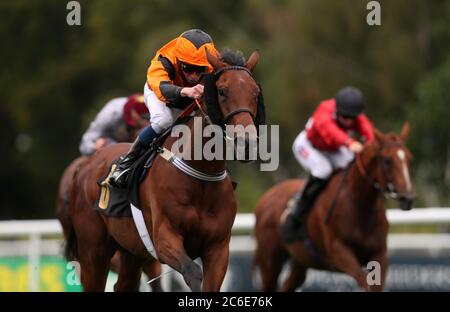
column 151, row 268
column 347, row 227
column 185, row 217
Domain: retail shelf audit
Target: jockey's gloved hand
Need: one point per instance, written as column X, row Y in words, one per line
column 195, row 92
column 356, row 147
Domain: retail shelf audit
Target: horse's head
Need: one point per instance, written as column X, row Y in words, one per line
column 233, row 97
column 393, row 165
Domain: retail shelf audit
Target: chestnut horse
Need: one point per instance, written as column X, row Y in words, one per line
column 186, row 217
column 347, row 226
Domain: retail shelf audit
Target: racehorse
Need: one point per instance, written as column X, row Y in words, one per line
column 347, row 227
column 186, row 217
column 151, row 268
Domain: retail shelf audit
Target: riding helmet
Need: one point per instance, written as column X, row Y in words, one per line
column 191, row 47
column 349, row 102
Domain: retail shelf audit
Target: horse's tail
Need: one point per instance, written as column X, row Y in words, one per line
column 255, row 264
column 63, row 203
column 63, row 214
column 71, row 248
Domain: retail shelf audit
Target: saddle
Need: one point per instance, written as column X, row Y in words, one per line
column 115, row 202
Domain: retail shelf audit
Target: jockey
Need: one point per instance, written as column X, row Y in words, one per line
column 116, row 122
column 173, row 81
column 324, row 145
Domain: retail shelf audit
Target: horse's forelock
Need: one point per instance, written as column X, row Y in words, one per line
column 231, row 57
column 394, row 138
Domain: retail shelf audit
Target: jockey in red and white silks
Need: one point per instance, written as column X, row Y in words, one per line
column 327, row 143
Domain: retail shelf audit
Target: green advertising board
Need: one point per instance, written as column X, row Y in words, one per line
column 55, row 275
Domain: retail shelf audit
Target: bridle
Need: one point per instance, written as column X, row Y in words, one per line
column 227, row 117
column 178, row 162
column 383, row 186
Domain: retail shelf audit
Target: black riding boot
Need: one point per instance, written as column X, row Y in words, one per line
column 120, row 174
column 294, row 226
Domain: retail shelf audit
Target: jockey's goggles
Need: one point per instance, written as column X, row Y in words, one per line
column 187, row 68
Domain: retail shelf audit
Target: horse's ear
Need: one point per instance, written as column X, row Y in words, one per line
column 252, row 61
column 379, row 136
column 405, row 131
column 214, row 60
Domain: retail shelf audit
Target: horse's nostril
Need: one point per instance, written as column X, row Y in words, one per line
column 406, row 203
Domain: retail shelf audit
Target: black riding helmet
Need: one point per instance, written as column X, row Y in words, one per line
column 349, row 102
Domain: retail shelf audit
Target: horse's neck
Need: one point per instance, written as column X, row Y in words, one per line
column 365, row 197
column 206, row 166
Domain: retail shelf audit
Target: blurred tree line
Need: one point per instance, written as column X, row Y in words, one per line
column 55, row 77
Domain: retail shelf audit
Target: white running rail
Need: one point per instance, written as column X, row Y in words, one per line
column 35, row 230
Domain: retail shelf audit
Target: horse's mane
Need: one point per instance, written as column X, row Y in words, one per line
column 393, row 137
column 232, row 57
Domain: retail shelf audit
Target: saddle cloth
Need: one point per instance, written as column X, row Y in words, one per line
column 115, row 202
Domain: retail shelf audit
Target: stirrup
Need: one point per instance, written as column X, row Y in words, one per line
column 120, row 180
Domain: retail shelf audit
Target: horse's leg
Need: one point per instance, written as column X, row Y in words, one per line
column 95, row 247
column 94, row 259
column 115, row 262
column 345, row 260
column 171, row 252
column 215, row 264
column 152, row 268
column 296, row 278
column 270, row 262
column 381, row 258
column 129, row 272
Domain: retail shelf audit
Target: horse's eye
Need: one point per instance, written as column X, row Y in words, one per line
column 221, row 92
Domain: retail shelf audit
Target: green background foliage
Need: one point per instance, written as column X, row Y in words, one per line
column 55, row 77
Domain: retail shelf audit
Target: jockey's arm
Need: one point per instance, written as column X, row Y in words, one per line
column 160, row 82
column 109, row 114
column 365, row 127
column 88, row 142
column 330, row 132
column 102, row 142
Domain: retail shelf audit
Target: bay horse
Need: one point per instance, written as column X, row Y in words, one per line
column 186, row 217
column 347, row 226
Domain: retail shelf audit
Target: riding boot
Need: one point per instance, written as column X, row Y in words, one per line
column 139, row 147
column 119, row 177
column 294, row 226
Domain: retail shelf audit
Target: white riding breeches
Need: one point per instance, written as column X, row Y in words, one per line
column 319, row 163
column 161, row 116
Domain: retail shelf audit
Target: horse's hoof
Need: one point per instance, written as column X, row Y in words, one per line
column 196, row 285
column 193, row 276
